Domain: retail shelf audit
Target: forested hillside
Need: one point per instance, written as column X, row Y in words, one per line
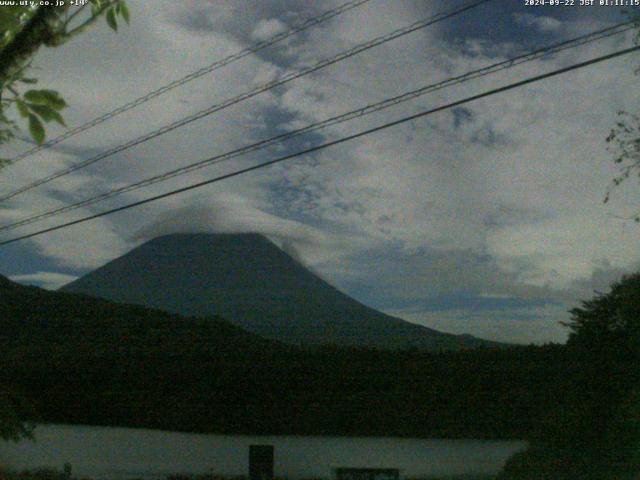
column 74, row 359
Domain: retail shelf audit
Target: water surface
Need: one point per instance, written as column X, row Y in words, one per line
column 123, row 453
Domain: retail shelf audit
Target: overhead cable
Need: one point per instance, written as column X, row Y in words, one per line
column 279, row 37
column 247, row 95
column 353, row 114
column 348, row 138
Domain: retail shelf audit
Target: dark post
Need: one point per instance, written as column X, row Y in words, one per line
column 260, row 462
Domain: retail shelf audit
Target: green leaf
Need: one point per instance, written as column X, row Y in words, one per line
column 23, row 110
column 47, row 114
column 37, row 97
column 111, row 19
column 36, row 129
column 124, row 11
column 50, row 98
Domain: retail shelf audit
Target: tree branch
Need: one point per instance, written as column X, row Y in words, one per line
column 39, row 30
column 74, row 15
column 82, row 27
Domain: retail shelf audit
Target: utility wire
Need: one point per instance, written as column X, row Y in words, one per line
column 361, row 112
column 369, row 131
column 279, row 37
column 250, row 94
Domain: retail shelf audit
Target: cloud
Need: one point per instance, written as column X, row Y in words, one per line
column 46, row 280
column 525, row 326
column 233, row 213
column 268, row 28
column 540, row 22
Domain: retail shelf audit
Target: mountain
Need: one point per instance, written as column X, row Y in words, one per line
column 70, row 358
column 54, row 321
column 248, row 280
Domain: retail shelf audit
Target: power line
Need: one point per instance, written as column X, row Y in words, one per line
column 332, row 143
column 369, row 109
column 279, row 37
column 249, row 94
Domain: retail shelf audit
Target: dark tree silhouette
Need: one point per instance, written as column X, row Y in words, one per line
column 609, row 323
column 12, row 425
column 594, row 432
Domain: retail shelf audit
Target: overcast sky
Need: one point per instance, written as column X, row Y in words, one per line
column 486, row 219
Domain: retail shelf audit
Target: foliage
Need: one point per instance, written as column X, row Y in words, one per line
column 12, row 424
column 623, row 435
column 596, row 435
column 40, row 474
column 551, row 463
column 126, row 365
column 609, row 324
column 624, row 139
column 26, row 29
column 624, row 143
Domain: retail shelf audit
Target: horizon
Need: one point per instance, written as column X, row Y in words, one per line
column 291, row 255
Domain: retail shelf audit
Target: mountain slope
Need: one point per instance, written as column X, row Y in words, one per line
column 249, row 281
column 47, row 322
column 69, row 358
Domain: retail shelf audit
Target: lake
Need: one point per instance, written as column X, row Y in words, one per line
column 123, row 453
